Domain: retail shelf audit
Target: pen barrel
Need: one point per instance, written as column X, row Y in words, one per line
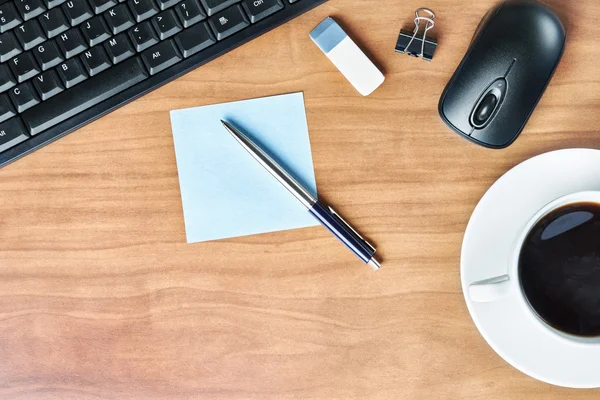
column 343, row 232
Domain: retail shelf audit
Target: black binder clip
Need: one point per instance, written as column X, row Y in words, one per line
column 408, row 42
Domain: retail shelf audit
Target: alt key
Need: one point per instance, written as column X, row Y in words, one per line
column 12, row 132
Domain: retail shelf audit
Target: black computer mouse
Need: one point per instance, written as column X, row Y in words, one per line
column 504, row 73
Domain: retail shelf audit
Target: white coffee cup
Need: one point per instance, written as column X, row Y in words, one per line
column 497, row 287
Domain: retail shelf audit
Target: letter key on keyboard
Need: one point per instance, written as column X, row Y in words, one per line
column 71, row 43
column 95, row 30
column 119, row 48
column 30, row 34
column 24, row 96
column 100, row 6
column 24, row 67
column 119, row 18
column 53, row 22
column 47, row 55
column 77, row 11
column 71, row 73
column 143, row 9
column 164, row 4
column 53, row 3
column 95, row 60
column 47, row 84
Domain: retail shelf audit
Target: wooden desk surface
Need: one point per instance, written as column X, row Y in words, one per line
column 101, row 298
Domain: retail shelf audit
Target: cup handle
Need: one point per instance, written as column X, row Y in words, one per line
column 489, row 290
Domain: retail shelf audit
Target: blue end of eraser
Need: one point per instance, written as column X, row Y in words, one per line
column 327, row 35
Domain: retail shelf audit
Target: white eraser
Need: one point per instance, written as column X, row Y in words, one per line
column 347, row 56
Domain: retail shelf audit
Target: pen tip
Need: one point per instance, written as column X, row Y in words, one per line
column 227, row 126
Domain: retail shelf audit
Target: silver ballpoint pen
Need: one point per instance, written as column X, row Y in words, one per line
column 324, row 214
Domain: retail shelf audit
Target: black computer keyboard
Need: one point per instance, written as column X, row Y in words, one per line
column 64, row 63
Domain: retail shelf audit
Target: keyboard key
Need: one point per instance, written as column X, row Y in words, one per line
column 164, row 4
column 47, row 55
column 9, row 47
column 12, row 132
column 190, row 12
column 88, row 94
column 161, row 56
column 23, row 96
column 194, row 39
column 214, row 6
column 119, row 18
column 47, row 85
column 9, row 17
column 228, row 22
column 259, row 9
column 7, row 80
column 71, row 43
column 99, row 6
column 71, row 73
column 166, row 24
column 6, row 108
column 119, row 48
column 53, row 22
column 77, row 11
column 30, row 8
column 143, row 9
column 53, row 3
column 95, row 60
column 24, row 67
column 30, row 34
column 143, row 36
column 95, row 30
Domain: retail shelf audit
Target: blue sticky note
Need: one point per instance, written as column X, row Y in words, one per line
column 224, row 191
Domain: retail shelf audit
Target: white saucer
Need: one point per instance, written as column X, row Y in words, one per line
column 489, row 239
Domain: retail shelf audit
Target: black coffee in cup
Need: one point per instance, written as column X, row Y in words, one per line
column 559, row 269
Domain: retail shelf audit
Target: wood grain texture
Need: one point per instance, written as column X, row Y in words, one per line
column 100, row 297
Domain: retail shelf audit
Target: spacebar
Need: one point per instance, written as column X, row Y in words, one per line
column 84, row 95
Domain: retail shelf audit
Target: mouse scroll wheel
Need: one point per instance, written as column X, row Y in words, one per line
column 485, row 109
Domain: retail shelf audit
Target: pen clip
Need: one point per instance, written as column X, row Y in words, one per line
column 343, row 221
